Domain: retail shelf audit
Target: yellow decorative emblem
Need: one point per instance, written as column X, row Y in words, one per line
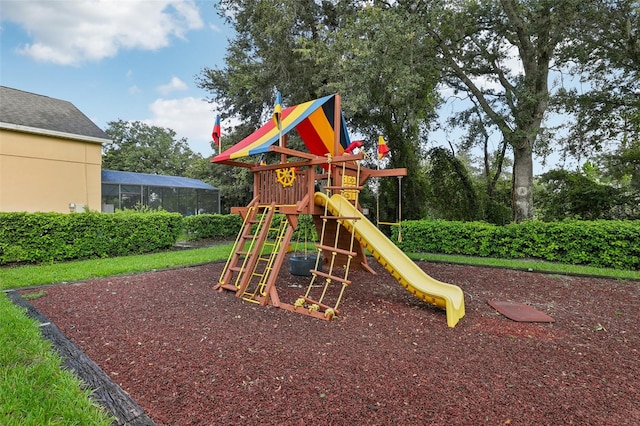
column 286, row 176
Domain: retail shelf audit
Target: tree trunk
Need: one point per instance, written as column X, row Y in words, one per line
column 522, row 188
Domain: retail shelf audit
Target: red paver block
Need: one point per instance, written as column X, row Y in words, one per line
column 520, row 312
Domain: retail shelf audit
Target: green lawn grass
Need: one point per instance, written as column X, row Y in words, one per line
column 33, row 275
column 35, row 391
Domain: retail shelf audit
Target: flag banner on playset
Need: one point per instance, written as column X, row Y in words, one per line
column 215, row 134
column 277, row 111
column 314, row 122
column 383, row 149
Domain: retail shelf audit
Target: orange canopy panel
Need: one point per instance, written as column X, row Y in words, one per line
column 312, row 120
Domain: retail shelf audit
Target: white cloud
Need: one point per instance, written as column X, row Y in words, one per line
column 191, row 118
column 133, row 90
column 173, row 85
column 73, row 32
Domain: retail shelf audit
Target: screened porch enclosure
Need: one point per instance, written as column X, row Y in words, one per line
column 126, row 190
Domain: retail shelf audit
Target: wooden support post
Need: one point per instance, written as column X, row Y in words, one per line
column 271, row 292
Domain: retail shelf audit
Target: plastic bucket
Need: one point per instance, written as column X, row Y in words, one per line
column 300, row 265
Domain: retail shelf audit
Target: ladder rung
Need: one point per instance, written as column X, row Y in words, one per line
column 315, row 302
column 228, row 287
column 337, row 250
column 235, row 268
column 331, row 277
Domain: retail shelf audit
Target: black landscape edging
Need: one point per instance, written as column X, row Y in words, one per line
column 105, row 392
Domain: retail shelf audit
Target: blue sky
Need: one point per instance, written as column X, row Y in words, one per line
column 117, row 59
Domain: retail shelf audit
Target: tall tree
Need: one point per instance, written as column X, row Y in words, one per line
column 308, row 49
column 499, row 53
column 605, row 51
column 494, row 162
column 268, row 53
column 139, row 147
column 389, row 75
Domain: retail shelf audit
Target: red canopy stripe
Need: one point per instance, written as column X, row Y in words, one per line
column 317, row 133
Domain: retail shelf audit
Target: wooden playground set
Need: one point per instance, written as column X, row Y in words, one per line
column 324, row 183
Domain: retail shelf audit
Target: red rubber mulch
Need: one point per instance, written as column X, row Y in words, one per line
column 192, row 356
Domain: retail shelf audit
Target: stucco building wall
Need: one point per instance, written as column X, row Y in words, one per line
column 48, row 173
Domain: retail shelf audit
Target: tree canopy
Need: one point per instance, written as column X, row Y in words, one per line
column 139, row 147
column 605, row 56
column 299, row 48
column 387, row 72
column 394, row 62
column 579, row 195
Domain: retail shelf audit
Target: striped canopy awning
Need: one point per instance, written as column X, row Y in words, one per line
column 312, row 120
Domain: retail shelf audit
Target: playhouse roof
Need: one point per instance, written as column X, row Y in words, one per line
column 312, row 120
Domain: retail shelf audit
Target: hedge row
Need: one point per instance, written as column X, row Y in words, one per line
column 607, row 244
column 48, row 237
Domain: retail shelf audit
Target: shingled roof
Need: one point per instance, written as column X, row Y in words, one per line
column 24, row 111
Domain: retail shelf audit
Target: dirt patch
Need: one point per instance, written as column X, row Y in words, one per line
column 192, row 356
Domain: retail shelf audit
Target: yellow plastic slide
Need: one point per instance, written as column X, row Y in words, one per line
column 403, row 269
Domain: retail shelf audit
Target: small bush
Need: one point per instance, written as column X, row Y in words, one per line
column 215, row 226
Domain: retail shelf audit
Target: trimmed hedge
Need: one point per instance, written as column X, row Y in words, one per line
column 48, row 237
column 214, row 226
column 606, row 244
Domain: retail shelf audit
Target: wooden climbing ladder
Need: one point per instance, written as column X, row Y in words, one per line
column 339, row 250
column 265, row 260
column 257, row 254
